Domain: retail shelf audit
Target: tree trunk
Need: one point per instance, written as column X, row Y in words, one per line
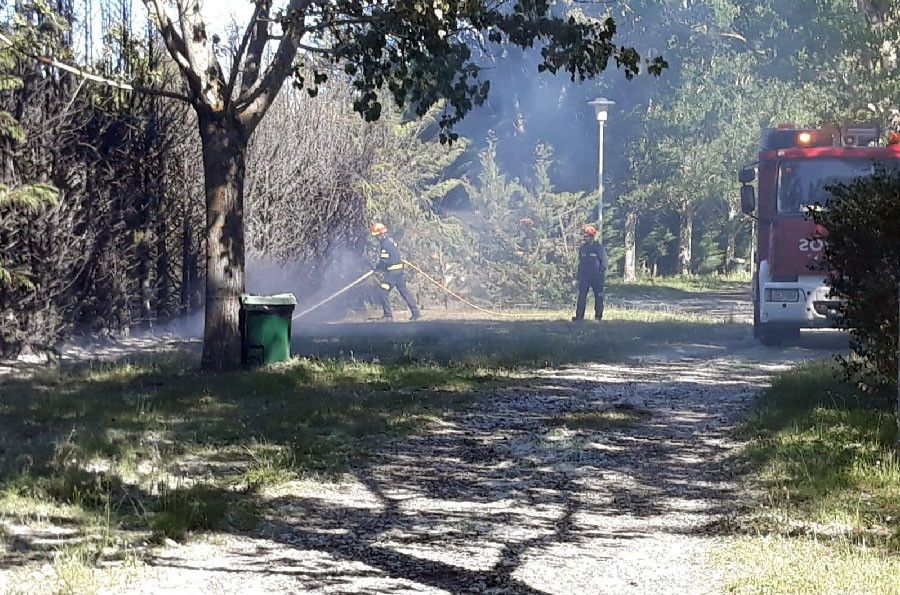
column 630, row 246
column 897, row 414
column 685, row 238
column 163, row 276
column 224, row 148
column 144, row 260
column 162, row 215
column 731, row 240
column 188, row 261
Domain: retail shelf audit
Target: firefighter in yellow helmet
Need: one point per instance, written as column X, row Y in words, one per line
column 390, row 266
column 592, row 261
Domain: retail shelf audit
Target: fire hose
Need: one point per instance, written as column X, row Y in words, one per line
column 334, row 295
column 453, row 293
column 431, row 279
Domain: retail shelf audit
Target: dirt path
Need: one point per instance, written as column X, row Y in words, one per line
column 505, row 499
column 594, row 478
column 732, row 306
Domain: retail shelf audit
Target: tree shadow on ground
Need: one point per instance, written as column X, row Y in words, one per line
column 490, row 493
column 497, row 496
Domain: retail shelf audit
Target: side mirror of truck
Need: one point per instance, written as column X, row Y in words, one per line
column 748, row 199
column 746, row 175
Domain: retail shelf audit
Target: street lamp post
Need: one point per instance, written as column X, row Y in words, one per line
column 601, row 109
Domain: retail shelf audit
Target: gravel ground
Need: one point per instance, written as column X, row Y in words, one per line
column 503, row 499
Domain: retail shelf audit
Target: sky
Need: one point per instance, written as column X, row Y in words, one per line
column 218, row 13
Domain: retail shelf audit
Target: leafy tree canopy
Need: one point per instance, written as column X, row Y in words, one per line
column 420, row 51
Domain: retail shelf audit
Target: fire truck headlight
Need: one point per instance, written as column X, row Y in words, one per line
column 782, row 295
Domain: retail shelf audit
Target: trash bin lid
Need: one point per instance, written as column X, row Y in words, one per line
column 281, row 299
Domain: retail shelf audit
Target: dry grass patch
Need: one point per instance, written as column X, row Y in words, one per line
column 825, row 486
column 807, row 566
column 598, row 421
column 680, row 285
column 76, row 570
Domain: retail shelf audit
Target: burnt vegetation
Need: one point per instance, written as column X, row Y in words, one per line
column 119, row 244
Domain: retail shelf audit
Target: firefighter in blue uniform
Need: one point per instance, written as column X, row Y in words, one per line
column 390, row 266
column 592, row 261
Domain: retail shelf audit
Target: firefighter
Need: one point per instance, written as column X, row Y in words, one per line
column 390, row 266
column 592, row 261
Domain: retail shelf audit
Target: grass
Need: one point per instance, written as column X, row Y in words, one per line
column 176, row 451
column 88, row 555
column 179, row 512
column 74, row 571
column 529, row 339
column 807, row 566
column 270, row 465
column 19, row 507
column 825, row 514
column 149, row 450
column 600, row 420
column 679, row 286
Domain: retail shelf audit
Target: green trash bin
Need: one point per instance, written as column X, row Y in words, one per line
column 266, row 328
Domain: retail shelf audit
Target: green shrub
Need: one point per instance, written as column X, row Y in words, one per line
column 863, row 255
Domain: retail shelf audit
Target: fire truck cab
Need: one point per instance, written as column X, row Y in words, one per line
column 795, row 168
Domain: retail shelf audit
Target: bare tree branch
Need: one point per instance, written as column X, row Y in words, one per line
column 239, row 55
column 256, row 100
column 187, row 18
column 316, row 49
column 173, row 41
column 201, row 54
column 92, row 77
column 260, row 36
column 259, row 97
column 737, row 36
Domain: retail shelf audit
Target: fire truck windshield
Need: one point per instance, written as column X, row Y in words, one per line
column 802, row 183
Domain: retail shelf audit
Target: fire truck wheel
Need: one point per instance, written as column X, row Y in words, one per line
column 775, row 336
column 769, row 337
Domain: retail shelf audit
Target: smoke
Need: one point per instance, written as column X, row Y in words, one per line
column 526, row 107
column 189, row 326
column 312, row 283
column 308, row 283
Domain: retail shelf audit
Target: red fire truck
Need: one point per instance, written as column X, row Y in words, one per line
column 795, row 167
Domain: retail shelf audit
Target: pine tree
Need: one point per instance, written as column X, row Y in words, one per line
column 406, row 187
column 15, row 194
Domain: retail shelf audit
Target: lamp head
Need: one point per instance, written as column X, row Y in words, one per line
column 601, row 108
